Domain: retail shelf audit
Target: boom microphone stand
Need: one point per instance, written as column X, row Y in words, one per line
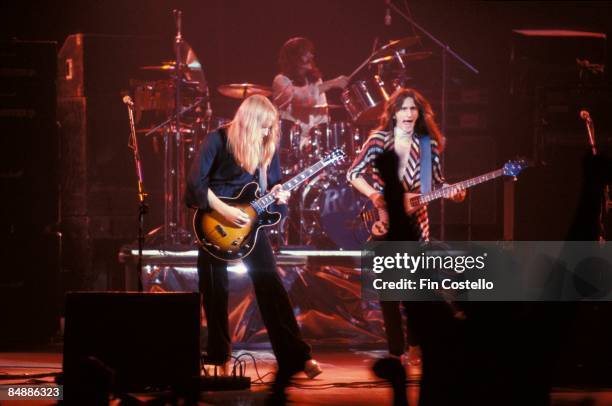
column 590, row 128
column 142, row 208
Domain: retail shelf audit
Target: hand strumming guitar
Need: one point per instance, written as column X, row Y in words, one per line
column 380, row 226
column 234, row 215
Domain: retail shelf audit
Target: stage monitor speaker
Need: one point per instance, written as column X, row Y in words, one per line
column 127, row 341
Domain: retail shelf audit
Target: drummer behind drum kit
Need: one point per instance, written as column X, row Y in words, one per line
column 330, row 213
column 327, row 209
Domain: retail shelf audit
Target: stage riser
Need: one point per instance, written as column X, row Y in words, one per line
column 326, row 299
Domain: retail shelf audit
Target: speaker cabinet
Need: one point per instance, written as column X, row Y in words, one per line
column 29, row 190
column 99, row 201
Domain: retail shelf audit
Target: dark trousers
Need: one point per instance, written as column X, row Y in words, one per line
column 274, row 305
column 394, row 328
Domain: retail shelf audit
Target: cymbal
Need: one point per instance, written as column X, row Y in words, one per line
column 327, row 106
column 170, row 66
column 393, row 46
column 166, row 66
column 406, row 57
column 243, row 90
column 191, row 68
column 193, row 72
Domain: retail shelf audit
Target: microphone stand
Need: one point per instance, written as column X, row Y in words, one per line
column 591, row 133
column 179, row 145
column 604, row 200
column 446, row 49
column 184, row 111
column 143, row 208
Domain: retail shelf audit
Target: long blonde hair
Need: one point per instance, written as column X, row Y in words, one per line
column 243, row 135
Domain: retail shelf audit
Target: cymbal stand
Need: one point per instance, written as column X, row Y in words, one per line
column 174, row 206
column 174, row 231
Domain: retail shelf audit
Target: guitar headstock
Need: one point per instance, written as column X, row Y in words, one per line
column 513, row 168
column 336, row 156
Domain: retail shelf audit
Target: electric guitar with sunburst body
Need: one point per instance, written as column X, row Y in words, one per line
column 229, row 242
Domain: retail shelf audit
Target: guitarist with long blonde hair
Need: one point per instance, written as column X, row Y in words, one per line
column 231, row 157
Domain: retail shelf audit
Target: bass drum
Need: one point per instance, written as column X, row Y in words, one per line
column 331, row 213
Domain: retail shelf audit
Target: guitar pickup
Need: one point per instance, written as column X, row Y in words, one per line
column 220, row 230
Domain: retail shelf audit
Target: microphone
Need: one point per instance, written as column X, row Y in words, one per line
column 177, row 17
column 584, row 114
column 128, row 100
column 388, row 14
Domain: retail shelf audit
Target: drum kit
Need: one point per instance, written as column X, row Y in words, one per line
column 325, row 210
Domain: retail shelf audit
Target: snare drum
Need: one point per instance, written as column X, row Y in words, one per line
column 365, row 99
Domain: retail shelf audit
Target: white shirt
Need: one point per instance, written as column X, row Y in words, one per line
column 296, row 103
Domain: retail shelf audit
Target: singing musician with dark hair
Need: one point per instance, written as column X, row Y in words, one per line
column 401, row 156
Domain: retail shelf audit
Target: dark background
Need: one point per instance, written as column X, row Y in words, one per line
column 238, row 41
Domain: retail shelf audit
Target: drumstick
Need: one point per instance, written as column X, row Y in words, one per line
column 360, row 66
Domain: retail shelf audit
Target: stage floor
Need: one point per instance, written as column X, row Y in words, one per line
column 346, row 380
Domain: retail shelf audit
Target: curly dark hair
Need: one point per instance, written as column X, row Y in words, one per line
column 425, row 124
column 289, row 59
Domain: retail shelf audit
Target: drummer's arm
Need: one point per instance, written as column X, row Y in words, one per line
column 337, row 83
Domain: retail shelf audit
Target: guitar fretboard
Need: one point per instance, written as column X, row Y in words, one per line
column 468, row 183
column 263, row 202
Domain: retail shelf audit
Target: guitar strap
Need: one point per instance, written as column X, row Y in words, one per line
column 425, row 152
column 262, row 180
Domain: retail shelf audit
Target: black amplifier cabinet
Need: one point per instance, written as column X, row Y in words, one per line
column 99, row 202
column 127, row 341
column 29, row 185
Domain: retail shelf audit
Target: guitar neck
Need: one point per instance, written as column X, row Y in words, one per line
column 291, row 184
column 466, row 184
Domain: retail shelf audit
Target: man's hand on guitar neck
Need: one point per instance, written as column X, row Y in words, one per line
column 282, row 196
column 456, row 194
